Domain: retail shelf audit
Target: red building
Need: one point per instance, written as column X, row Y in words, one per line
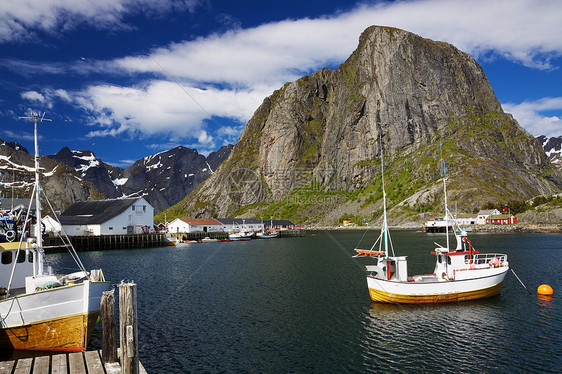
column 502, row 219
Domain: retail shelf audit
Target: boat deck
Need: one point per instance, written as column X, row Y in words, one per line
column 88, row 362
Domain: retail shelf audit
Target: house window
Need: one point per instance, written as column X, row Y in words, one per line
column 144, row 208
column 124, row 228
column 111, row 228
column 7, row 257
column 133, row 207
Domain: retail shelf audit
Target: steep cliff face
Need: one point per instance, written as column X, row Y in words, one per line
column 323, row 132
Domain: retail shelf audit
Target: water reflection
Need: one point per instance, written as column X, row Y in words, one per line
column 408, row 337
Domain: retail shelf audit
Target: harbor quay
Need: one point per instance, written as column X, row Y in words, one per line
column 107, row 242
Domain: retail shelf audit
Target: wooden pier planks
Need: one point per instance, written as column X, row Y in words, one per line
column 74, row 363
column 58, row 364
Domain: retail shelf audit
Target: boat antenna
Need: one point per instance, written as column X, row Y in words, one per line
column 444, row 174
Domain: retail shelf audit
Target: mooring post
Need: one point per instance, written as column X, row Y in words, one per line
column 128, row 330
column 109, row 328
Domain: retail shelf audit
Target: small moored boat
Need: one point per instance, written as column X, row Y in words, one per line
column 208, row 240
column 460, row 273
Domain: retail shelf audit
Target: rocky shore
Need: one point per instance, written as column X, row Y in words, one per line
column 530, row 227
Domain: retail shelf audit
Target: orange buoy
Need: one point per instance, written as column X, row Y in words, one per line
column 545, row 289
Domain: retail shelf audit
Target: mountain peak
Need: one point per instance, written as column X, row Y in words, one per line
column 323, row 132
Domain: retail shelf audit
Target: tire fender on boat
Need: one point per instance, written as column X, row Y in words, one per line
column 10, row 235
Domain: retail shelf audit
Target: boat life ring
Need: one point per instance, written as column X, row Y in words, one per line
column 10, row 235
column 444, row 275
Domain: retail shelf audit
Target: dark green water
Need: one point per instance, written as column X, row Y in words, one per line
column 300, row 305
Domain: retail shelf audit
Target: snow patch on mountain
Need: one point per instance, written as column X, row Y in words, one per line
column 553, row 148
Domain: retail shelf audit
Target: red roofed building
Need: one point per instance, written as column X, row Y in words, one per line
column 185, row 225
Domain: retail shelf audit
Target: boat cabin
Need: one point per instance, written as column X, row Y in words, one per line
column 391, row 268
column 8, row 254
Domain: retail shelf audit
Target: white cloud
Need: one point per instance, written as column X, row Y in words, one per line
column 263, row 58
column 163, row 107
column 530, row 115
column 33, row 96
column 22, row 18
column 229, row 74
column 274, row 53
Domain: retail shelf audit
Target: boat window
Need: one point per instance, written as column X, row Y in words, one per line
column 448, row 260
column 440, row 259
column 21, row 257
column 6, row 257
column 30, row 257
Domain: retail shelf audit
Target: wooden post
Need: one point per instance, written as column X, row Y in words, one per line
column 128, row 328
column 109, row 328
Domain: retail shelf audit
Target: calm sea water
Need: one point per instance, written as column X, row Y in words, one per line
column 300, row 305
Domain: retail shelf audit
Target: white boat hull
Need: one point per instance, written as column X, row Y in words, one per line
column 482, row 285
column 57, row 319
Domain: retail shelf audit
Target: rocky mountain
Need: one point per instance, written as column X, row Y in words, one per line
column 165, row 178
column 61, row 183
column 553, row 148
column 312, row 150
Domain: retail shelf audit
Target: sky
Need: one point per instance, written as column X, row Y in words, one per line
column 130, row 78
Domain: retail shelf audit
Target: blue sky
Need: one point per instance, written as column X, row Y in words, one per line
column 130, row 78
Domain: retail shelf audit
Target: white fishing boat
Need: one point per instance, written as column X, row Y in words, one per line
column 241, row 235
column 460, row 273
column 38, row 310
column 267, row 234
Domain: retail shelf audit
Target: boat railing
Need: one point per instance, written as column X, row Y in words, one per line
column 496, row 259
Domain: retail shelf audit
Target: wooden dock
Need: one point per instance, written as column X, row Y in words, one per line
column 106, row 242
column 88, row 362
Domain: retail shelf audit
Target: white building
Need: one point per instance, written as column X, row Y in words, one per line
column 241, row 224
column 185, row 225
column 108, row 217
column 51, row 225
column 483, row 215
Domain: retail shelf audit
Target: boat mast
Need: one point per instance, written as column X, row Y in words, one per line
column 384, row 230
column 444, row 172
column 36, row 117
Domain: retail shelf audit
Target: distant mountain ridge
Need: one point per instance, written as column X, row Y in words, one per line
column 59, row 181
column 553, row 148
column 164, row 178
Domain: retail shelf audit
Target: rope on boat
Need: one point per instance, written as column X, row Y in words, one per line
column 513, row 271
column 365, row 233
column 3, row 319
